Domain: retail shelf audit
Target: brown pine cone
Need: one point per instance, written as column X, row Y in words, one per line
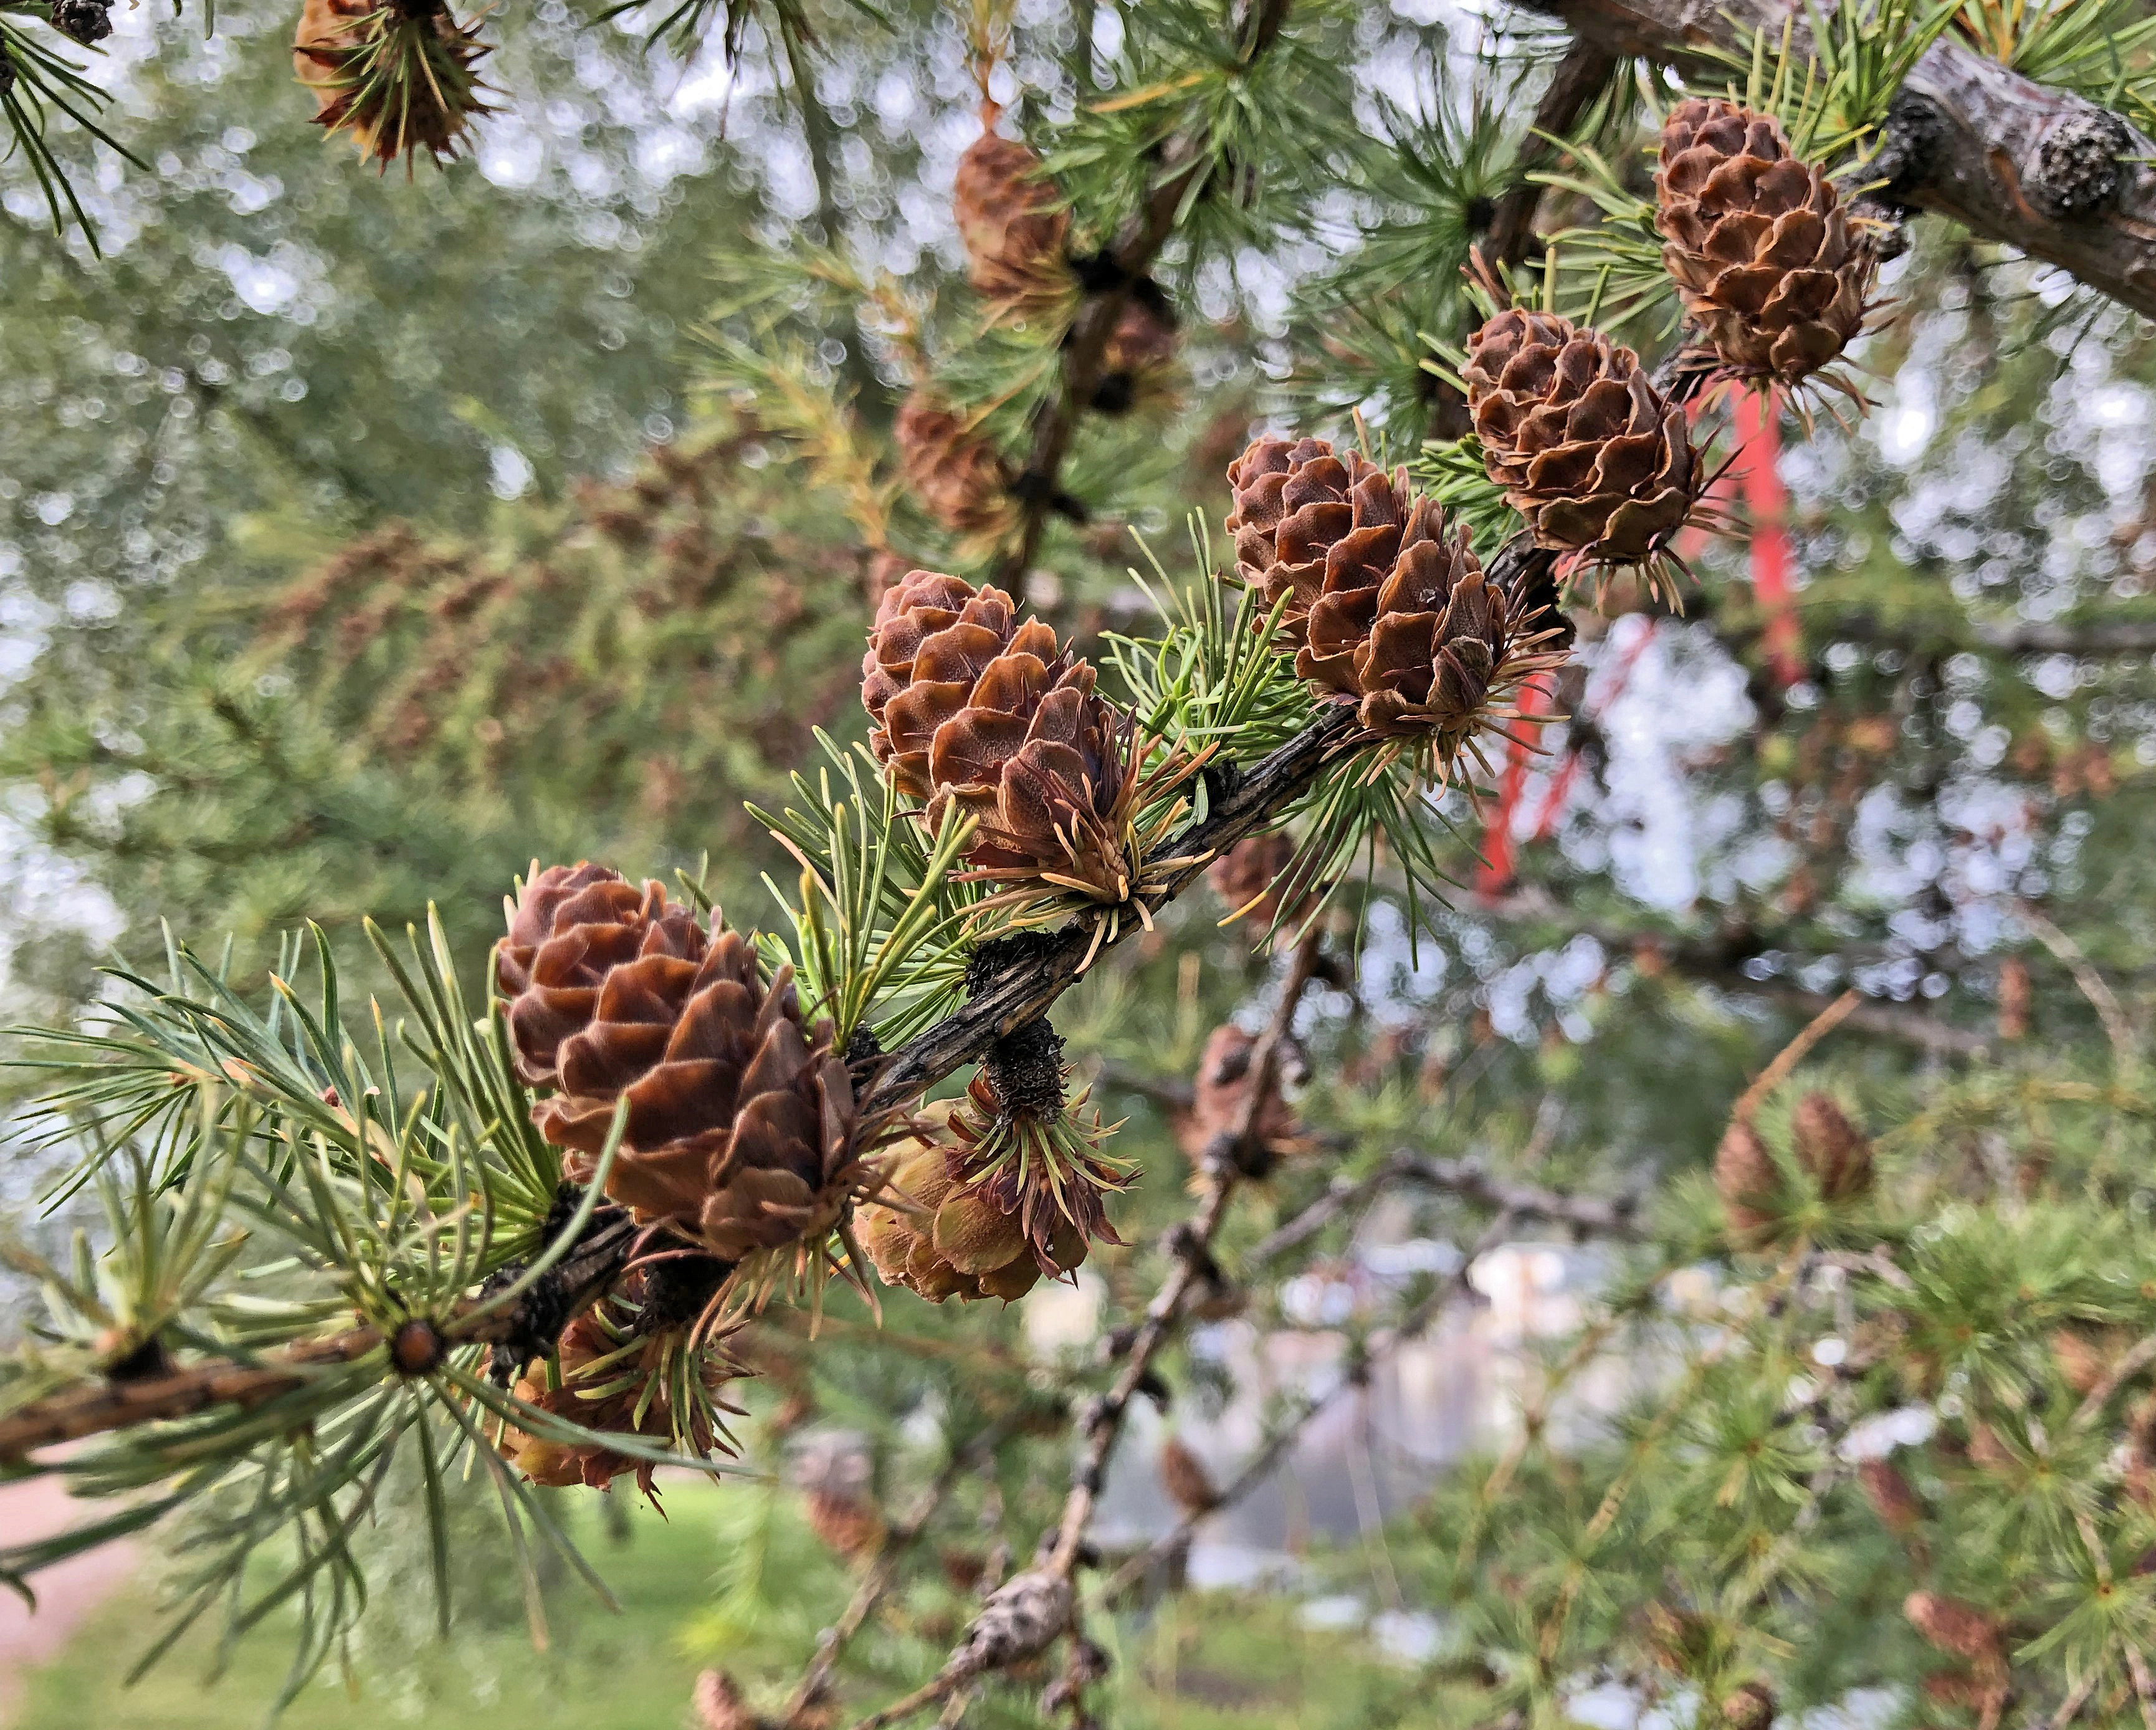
column 933, row 637
column 1137, row 364
column 1011, row 220
column 977, row 710
column 1221, row 1095
column 960, row 1244
column 1419, row 645
column 953, row 472
column 1250, row 876
column 740, row 1117
column 1585, row 447
column 399, row 78
column 2082, row 1362
column 1954, row 1626
column 1901, row 1511
column 1750, row 1706
column 1183, row 1476
column 719, row 1704
column 1386, row 612
column 847, row 1525
column 1762, row 251
column 1749, row 1184
column 1296, row 502
column 1830, row 1147
column 571, row 927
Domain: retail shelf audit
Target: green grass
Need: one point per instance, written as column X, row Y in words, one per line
column 602, row 1671
column 731, row 1577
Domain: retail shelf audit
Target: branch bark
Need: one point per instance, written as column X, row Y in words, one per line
column 1022, row 988
column 2037, row 168
column 113, row 1403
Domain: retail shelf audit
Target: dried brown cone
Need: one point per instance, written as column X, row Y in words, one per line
column 1901, row 1511
column 719, row 1703
column 1954, row 1626
column 1749, row 1184
column 929, row 1234
column 1386, row 610
column 2083, row 1363
column 1830, row 1147
column 973, row 709
column 1137, row 367
column 1594, row 457
column 1299, row 505
column 847, row 1525
column 1749, row 1706
column 1015, row 228
column 397, row 75
column 599, row 1389
column 1188, row 1484
column 1221, row 1096
column 952, row 470
column 1769, row 265
column 741, row 1126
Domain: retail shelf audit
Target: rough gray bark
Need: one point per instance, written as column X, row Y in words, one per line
column 2013, row 161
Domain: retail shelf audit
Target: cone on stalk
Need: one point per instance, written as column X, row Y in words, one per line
column 1769, row 264
column 952, row 470
column 1013, row 1190
column 741, row 1130
column 1388, row 605
column 974, row 708
column 1015, row 226
column 1595, row 459
column 614, row 1372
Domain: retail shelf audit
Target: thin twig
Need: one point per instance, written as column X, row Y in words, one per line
column 2092, row 983
column 1193, row 1248
column 883, row 1571
column 114, row 1403
column 1260, row 1465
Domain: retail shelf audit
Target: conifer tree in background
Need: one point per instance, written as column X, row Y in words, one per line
column 1315, row 423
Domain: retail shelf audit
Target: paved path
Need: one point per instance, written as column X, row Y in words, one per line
column 66, row 1593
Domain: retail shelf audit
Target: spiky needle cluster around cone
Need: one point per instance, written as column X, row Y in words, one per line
column 397, row 74
column 975, row 708
column 1012, row 1191
column 1595, row 459
column 1014, row 228
column 939, row 1238
column 614, row 1376
column 1387, row 604
column 740, row 1123
column 1766, row 260
column 1258, row 880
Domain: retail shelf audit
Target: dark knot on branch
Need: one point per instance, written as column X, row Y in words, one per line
column 2077, row 171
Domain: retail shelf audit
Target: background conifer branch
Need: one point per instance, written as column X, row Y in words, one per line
column 1184, row 165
